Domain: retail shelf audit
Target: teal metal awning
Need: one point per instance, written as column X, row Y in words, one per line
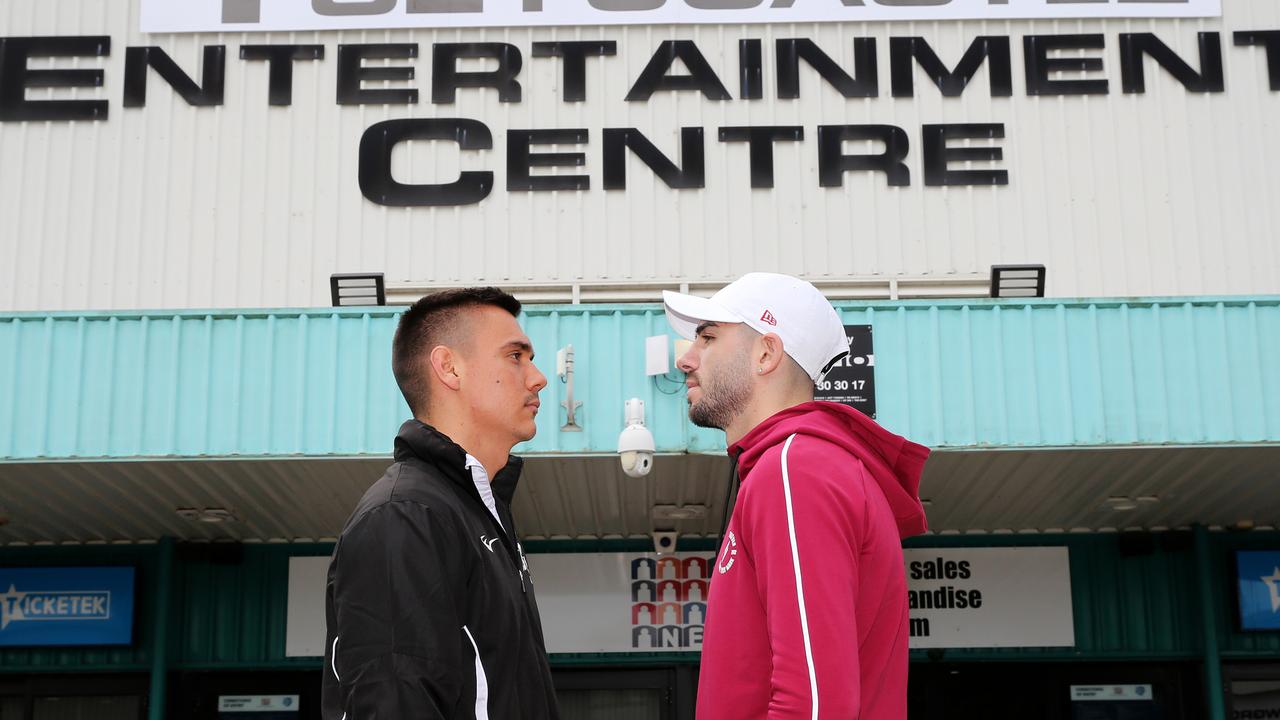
column 959, row 374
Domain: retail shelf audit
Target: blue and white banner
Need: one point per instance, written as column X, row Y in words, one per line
column 66, row 606
column 1258, row 576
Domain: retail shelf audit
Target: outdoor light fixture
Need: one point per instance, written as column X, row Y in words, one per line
column 1013, row 281
column 1125, row 504
column 1121, row 503
column 357, row 289
column 664, row 541
column 207, row 515
column 679, row 512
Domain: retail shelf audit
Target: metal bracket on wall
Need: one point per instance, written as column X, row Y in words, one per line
column 564, row 368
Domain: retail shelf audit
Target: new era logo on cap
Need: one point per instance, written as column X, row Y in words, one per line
column 768, row 317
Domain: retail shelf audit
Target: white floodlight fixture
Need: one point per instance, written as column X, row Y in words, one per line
column 357, row 289
column 1017, row 281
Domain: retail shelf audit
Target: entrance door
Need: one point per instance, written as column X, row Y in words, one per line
column 73, row 697
column 266, row 695
column 1253, row 690
column 626, row 694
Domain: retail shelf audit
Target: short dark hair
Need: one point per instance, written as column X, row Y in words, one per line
column 432, row 321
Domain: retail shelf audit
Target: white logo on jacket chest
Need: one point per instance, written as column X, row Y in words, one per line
column 728, row 555
column 484, row 540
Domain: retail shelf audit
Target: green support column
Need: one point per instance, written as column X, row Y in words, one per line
column 1209, row 624
column 160, row 644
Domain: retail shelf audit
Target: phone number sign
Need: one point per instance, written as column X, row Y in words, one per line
column 852, row 381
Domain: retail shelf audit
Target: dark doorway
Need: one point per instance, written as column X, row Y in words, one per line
column 288, row 695
column 73, row 697
column 1054, row 691
column 655, row 693
column 1252, row 690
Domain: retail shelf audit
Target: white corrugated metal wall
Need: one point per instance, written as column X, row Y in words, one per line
column 1164, row 193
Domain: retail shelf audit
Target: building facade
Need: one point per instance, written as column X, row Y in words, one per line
column 186, row 419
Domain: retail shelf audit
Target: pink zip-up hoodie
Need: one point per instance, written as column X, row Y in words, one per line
column 807, row 614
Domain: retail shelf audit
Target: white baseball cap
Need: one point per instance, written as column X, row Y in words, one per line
column 811, row 331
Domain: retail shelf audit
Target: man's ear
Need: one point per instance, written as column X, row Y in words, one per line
column 769, row 353
column 445, row 366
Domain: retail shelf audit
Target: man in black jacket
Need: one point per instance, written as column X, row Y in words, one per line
column 430, row 608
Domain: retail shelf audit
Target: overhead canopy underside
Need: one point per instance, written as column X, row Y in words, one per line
column 589, row 498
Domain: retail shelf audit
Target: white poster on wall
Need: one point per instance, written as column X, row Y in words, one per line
column 963, row 598
column 990, row 597
column 305, row 622
column 163, row 16
column 622, row 602
column 643, row 603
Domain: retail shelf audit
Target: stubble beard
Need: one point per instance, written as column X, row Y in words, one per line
column 725, row 395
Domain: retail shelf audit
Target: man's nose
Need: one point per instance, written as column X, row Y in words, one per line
column 687, row 362
column 538, row 381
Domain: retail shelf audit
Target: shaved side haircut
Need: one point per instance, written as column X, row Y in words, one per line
column 432, row 321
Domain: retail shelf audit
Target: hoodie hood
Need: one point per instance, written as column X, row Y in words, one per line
column 893, row 461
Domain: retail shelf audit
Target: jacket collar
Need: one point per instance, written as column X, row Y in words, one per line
column 418, row 440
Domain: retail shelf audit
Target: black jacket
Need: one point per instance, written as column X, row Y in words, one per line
column 430, row 608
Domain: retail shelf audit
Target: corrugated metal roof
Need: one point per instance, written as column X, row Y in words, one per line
column 955, row 374
column 109, row 501
column 248, row 205
column 306, row 499
column 592, row 498
column 1068, row 490
column 1079, row 373
column 988, row 492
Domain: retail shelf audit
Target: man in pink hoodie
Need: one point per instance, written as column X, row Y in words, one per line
column 807, row 614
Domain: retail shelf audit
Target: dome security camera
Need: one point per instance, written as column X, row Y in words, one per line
column 635, row 444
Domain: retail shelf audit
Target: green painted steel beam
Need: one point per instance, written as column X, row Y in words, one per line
column 160, row 650
column 1209, row 613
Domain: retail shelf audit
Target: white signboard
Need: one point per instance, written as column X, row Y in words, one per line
column 641, row 603
column 289, row 15
column 1110, row 693
column 257, row 704
column 980, row 597
column 990, row 597
column 622, row 603
column 305, row 623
